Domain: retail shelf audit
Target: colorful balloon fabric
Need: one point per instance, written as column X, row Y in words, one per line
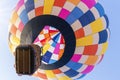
column 73, row 33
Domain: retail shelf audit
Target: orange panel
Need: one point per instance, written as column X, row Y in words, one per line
column 13, row 29
column 61, row 53
column 47, row 35
column 90, row 50
column 41, row 75
column 91, row 60
column 57, row 71
column 39, row 11
column 79, row 33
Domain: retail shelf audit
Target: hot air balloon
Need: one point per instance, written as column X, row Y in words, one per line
column 72, row 33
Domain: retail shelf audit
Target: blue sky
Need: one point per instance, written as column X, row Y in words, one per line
column 108, row 69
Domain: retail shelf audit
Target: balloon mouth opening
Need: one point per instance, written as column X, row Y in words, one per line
column 52, row 44
column 27, row 59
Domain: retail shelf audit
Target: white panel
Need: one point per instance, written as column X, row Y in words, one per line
column 41, row 37
column 52, row 78
column 83, row 7
column 25, row 1
column 64, row 68
column 31, row 14
column 62, row 46
column 60, row 75
column 56, row 10
column 76, row 25
column 51, row 49
column 9, row 27
column 45, row 31
column 79, row 50
column 95, row 38
column 104, row 22
column 83, row 59
column 17, row 22
column 99, row 49
column 95, row 13
column 87, row 30
column 54, row 57
column 69, row 6
column 39, row 3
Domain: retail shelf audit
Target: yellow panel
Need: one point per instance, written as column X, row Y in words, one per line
column 45, row 48
column 12, row 48
column 48, row 6
column 97, row 26
column 64, row 78
column 84, row 41
column 104, row 47
column 14, row 17
column 50, row 74
column 14, row 40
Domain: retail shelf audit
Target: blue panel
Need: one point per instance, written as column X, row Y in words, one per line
column 74, row 15
column 56, row 37
column 29, row 5
column 54, row 44
column 71, row 73
column 52, row 61
column 74, row 65
column 107, row 21
column 100, row 9
column 103, row 36
column 47, row 57
column 24, row 17
column 87, row 18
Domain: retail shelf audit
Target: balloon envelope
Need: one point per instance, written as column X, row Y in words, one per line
column 73, row 33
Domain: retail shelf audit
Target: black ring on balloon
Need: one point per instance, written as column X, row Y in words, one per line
column 33, row 28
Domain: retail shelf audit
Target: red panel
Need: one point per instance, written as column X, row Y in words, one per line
column 59, row 3
column 79, row 33
column 90, row 50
